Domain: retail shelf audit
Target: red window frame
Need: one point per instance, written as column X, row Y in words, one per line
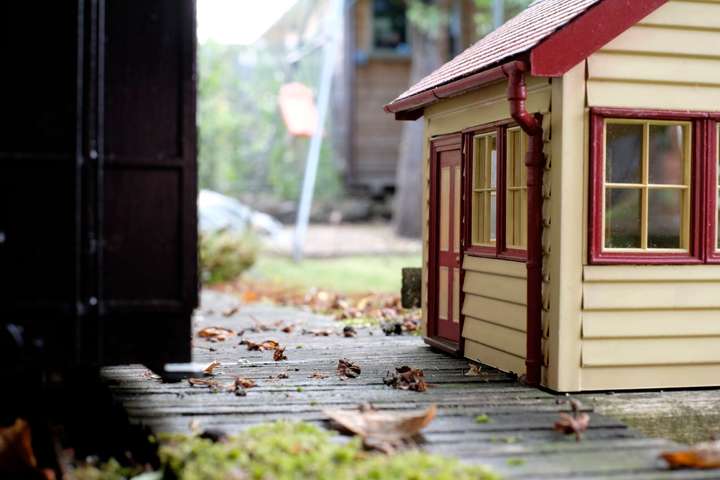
column 703, row 197
column 712, row 252
column 500, row 250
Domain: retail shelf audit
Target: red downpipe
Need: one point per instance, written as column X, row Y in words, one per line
column 535, row 163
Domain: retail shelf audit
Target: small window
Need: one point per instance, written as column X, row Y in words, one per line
column 516, row 196
column 484, row 190
column 653, row 187
column 498, row 204
column 389, row 26
column 647, row 186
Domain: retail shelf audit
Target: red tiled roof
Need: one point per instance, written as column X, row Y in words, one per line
column 519, row 35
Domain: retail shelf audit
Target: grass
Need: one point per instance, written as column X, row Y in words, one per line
column 358, row 274
column 289, row 451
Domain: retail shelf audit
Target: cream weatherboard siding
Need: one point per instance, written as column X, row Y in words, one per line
column 662, row 320
column 494, row 306
column 654, row 326
column 495, row 312
column 669, row 60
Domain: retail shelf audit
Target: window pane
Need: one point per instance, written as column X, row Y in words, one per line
column 623, row 153
column 493, row 161
column 665, row 218
column 667, row 152
column 493, row 217
column 389, row 26
column 622, row 218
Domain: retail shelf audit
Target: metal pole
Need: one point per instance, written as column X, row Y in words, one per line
column 498, row 13
column 332, row 25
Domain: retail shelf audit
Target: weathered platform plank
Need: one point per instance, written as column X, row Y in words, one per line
column 518, row 441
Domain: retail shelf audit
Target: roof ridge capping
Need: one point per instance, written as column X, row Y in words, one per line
column 552, row 36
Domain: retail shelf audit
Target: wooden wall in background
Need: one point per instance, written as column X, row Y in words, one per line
column 375, row 134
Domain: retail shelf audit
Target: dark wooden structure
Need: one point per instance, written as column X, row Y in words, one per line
column 98, row 261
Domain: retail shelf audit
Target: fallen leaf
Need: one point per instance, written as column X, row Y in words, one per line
column 16, row 452
column 279, row 354
column 194, row 426
column 347, row 369
column 474, row 370
column 349, row 331
column 245, row 382
column 229, row 312
column 211, row 367
column 318, row 375
column 392, row 328
column 319, row 333
column 288, row 329
column 204, row 382
column 216, row 334
column 702, row 455
column 240, row 385
column 266, row 345
column 279, row 376
column 150, row 375
column 406, row 378
column 250, row 296
column 384, row 431
column 577, row 423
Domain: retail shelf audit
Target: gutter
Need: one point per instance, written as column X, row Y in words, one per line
column 531, row 124
column 411, row 108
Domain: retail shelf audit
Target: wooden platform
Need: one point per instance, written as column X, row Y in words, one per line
column 517, row 442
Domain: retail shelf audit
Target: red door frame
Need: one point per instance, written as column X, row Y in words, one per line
column 442, row 144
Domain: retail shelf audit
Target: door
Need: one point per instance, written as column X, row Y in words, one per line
column 445, row 245
column 98, row 223
column 148, row 184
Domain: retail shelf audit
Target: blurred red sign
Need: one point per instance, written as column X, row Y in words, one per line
column 298, row 109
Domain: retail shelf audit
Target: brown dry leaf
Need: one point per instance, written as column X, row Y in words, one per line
column 704, row 455
column 475, row 370
column 250, row 296
column 577, row 423
column 211, row 367
column 384, row 431
column 406, row 378
column 240, row 385
column 279, row 354
column 266, row 345
column 347, row 369
column 16, row 452
column 245, row 382
column 279, row 376
column 229, row 312
column 150, row 375
column 204, row 382
column 318, row 375
column 349, row 331
column 319, row 332
column 287, row 328
column 216, row 334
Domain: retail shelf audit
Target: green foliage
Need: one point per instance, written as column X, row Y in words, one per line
column 429, row 18
column 484, row 14
column 285, row 451
column 515, row 462
column 225, row 255
column 482, row 419
column 110, row 470
column 243, row 143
